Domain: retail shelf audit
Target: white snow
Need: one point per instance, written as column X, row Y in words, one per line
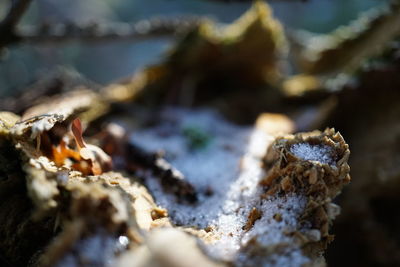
column 320, row 153
column 231, row 166
column 215, row 165
column 98, row 249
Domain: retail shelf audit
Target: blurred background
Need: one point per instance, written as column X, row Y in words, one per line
column 105, row 61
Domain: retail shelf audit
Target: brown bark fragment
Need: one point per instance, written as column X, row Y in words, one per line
column 254, row 215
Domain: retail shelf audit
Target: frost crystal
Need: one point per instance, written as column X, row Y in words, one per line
column 320, row 153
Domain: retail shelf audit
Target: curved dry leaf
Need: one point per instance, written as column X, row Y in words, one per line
column 249, row 52
column 329, row 61
column 347, row 47
column 79, row 101
column 36, row 125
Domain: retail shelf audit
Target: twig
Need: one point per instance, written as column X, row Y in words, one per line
column 95, row 32
column 171, row 179
column 232, row 1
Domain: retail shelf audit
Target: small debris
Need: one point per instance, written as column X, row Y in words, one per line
column 171, row 179
column 277, row 217
column 254, row 215
column 158, row 213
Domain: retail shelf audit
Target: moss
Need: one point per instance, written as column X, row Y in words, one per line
column 196, row 137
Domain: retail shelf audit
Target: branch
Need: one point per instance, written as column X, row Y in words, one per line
column 18, row 8
column 233, row 1
column 7, row 26
column 95, row 32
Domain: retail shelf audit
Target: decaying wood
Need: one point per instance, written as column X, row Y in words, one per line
column 319, row 181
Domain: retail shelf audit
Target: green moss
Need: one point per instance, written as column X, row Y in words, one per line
column 196, row 137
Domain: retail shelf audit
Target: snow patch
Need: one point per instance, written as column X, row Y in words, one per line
column 320, row 153
column 230, row 166
column 98, row 249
